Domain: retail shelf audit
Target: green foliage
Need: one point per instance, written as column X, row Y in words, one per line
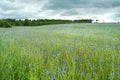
column 4, row 24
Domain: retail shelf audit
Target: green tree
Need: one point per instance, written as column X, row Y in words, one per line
column 5, row 24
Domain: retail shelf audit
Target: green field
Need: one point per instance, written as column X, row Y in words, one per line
column 60, row 52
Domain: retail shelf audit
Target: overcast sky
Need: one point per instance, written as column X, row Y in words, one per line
column 107, row 10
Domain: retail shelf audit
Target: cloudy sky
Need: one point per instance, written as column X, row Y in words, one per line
column 107, row 10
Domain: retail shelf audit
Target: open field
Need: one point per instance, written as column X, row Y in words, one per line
column 60, row 52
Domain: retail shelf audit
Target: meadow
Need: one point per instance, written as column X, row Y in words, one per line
column 60, row 52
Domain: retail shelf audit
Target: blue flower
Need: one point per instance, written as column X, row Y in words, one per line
column 114, row 74
column 109, row 78
column 6, row 62
column 61, row 73
column 30, row 66
column 45, row 71
column 65, row 68
column 53, row 79
column 93, row 49
column 95, row 70
column 23, row 61
column 63, row 61
column 35, row 54
column 117, row 66
column 49, row 73
column 101, row 60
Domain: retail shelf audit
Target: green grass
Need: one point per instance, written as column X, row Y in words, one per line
column 60, row 52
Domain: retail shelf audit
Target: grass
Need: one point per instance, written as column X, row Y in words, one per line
column 60, row 52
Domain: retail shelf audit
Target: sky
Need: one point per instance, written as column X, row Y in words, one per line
column 103, row 10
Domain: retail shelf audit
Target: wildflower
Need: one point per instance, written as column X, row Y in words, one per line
column 56, row 55
column 118, row 39
column 95, row 70
column 85, row 74
column 45, row 71
column 65, row 68
column 103, row 47
column 6, row 62
column 53, row 79
column 109, row 78
column 117, row 66
column 114, row 74
column 23, row 61
column 63, row 61
column 81, row 59
column 101, row 60
column 93, row 49
column 49, row 73
column 61, row 73
column 35, row 54
column 30, row 66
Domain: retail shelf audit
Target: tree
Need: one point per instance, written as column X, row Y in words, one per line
column 5, row 24
column 26, row 22
column 97, row 21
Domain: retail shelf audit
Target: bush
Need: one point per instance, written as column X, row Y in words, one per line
column 5, row 24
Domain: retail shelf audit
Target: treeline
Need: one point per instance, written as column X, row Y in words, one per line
column 38, row 22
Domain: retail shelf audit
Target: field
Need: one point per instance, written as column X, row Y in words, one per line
column 60, row 52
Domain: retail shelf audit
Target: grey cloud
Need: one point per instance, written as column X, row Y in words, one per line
column 82, row 11
column 20, row 8
column 116, row 16
column 17, row 15
column 69, row 13
column 68, row 4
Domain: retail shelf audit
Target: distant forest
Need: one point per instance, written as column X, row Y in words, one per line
column 38, row 22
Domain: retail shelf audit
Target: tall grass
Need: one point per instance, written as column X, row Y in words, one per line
column 60, row 52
